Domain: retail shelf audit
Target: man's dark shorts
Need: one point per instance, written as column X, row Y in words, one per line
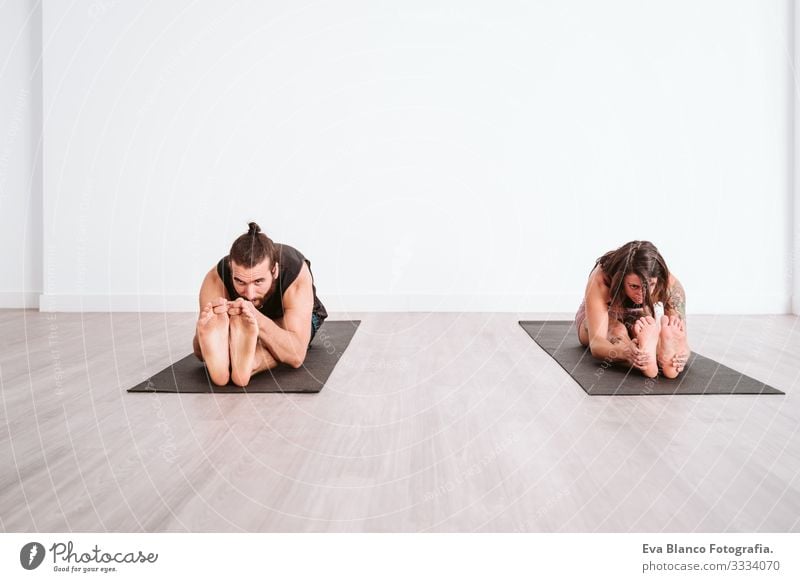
column 316, row 323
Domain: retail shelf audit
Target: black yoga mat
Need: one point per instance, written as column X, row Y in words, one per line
column 189, row 374
column 701, row 375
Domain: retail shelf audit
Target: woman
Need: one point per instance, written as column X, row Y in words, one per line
column 634, row 311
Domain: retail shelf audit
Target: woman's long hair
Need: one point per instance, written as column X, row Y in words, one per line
column 643, row 259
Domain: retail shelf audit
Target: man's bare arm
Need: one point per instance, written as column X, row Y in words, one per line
column 287, row 340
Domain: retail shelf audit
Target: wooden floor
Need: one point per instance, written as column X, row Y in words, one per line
column 430, row 422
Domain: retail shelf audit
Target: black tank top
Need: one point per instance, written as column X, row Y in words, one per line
column 291, row 262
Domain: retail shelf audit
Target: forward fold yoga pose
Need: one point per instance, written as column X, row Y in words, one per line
column 258, row 308
column 634, row 311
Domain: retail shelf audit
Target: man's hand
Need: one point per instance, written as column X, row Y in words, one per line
column 242, row 307
column 220, row 305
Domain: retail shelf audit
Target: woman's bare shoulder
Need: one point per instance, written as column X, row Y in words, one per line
column 597, row 285
column 598, row 277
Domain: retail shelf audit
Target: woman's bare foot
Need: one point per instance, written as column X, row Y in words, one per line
column 672, row 348
column 212, row 335
column 646, row 331
column 243, row 338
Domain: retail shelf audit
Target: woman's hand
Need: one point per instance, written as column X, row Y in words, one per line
column 679, row 361
column 635, row 356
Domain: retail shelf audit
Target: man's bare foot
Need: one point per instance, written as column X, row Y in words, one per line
column 646, row 331
column 672, row 348
column 212, row 335
column 263, row 360
column 243, row 339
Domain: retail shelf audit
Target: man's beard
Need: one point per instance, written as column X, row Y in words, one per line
column 259, row 301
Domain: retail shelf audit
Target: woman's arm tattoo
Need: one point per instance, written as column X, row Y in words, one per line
column 676, row 299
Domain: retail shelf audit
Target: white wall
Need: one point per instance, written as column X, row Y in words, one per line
column 424, row 155
column 20, row 153
column 795, row 90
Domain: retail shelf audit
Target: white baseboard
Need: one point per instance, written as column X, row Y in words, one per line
column 541, row 303
column 117, row 303
column 451, row 303
column 712, row 305
column 19, row 300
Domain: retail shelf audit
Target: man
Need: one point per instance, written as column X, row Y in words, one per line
column 258, row 308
